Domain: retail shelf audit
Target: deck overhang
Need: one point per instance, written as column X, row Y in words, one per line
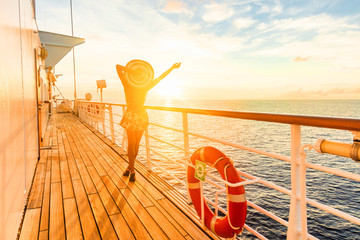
column 57, row 46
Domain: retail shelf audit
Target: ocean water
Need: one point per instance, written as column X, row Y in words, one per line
column 337, row 192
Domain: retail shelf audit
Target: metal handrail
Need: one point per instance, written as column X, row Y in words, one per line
column 312, row 121
column 297, row 159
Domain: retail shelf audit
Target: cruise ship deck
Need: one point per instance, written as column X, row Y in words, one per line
column 78, row 192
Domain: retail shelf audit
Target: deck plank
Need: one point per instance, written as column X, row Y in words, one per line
column 130, row 216
column 87, row 220
column 183, row 220
column 45, row 210
column 122, row 229
column 30, row 230
column 55, row 162
column 89, row 186
column 73, row 228
column 74, row 172
column 57, row 225
column 104, row 159
column 151, row 226
column 67, row 188
column 105, row 227
column 106, row 198
column 36, row 194
column 44, row 235
column 139, row 194
column 171, row 231
column 79, row 192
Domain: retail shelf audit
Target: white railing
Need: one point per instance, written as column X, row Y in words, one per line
column 105, row 117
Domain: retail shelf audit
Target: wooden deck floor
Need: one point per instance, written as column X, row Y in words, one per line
column 79, row 192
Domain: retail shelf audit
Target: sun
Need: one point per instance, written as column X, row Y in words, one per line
column 168, row 88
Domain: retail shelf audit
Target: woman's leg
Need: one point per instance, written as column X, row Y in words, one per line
column 138, row 136
column 134, row 138
column 131, row 135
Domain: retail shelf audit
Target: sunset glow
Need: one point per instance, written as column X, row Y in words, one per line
column 273, row 49
column 168, row 89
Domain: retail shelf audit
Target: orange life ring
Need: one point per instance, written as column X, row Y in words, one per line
column 233, row 222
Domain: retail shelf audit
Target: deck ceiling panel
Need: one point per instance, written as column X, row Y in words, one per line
column 57, row 46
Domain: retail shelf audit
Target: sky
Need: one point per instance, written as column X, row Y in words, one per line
column 234, row 49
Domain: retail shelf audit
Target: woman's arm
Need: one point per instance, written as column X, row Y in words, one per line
column 162, row 76
column 120, row 71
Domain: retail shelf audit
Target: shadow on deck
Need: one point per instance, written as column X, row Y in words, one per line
column 79, row 192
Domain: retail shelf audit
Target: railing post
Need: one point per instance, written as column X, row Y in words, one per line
column 186, row 134
column 92, row 118
column 297, row 228
column 89, row 116
column 147, row 149
column 102, row 116
column 79, row 111
column 87, row 113
column 186, row 147
column 124, row 134
column 111, row 124
column 96, row 118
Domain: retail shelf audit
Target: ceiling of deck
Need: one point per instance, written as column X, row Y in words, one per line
column 57, row 46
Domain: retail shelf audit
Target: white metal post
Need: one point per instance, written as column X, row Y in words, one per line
column 297, row 228
column 111, row 124
column 80, row 111
column 124, row 134
column 147, row 149
column 88, row 117
column 96, row 118
column 92, row 115
column 186, row 147
column 102, row 116
column 186, row 134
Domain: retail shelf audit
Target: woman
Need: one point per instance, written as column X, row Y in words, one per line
column 135, row 119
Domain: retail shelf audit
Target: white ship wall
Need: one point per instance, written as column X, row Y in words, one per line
column 18, row 110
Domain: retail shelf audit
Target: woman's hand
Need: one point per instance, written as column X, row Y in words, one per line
column 176, row 65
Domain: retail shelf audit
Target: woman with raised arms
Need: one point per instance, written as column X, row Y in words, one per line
column 137, row 77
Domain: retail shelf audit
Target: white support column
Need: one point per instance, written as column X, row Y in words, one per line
column 102, row 115
column 92, row 115
column 124, row 134
column 186, row 147
column 96, row 117
column 111, row 117
column 297, row 217
column 148, row 159
column 80, row 111
column 186, row 134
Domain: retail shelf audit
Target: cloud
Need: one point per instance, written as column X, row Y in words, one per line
column 172, row 6
column 301, row 59
column 318, row 23
column 216, row 12
column 341, row 50
column 275, row 9
column 322, row 37
column 241, row 23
